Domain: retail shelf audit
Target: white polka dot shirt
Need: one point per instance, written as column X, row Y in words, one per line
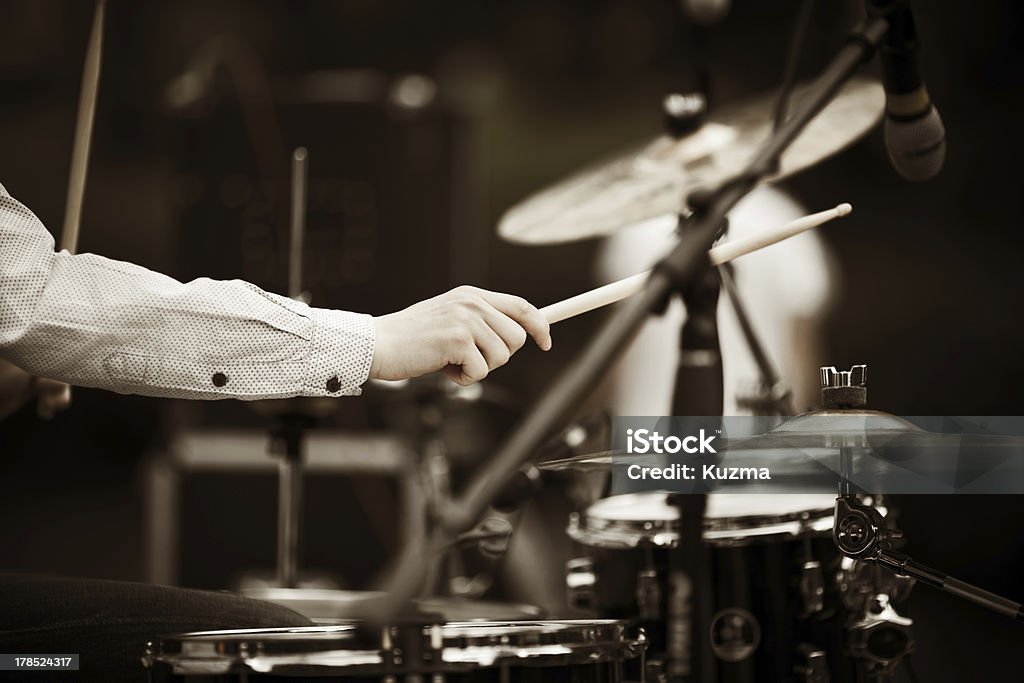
column 91, row 321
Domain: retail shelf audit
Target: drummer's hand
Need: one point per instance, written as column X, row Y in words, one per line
column 18, row 387
column 466, row 333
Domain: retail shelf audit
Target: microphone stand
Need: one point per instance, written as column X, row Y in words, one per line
column 699, row 391
column 687, row 260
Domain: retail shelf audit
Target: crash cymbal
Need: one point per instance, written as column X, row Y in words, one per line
column 654, row 179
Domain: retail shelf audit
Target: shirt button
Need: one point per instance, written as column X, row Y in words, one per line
column 219, row 379
column 334, row 385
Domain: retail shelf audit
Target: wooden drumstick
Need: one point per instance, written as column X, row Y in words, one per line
column 83, row 132
column 622, row 289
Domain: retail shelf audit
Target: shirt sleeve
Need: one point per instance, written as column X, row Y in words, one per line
column 95, row 322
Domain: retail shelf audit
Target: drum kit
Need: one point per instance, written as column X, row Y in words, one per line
column 681, row 587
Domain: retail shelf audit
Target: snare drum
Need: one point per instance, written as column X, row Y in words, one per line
column 776, row 613
column 516, row 652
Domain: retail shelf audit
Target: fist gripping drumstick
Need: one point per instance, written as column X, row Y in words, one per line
column 622, row 289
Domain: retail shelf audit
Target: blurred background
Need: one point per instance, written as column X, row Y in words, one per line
column 425, row 121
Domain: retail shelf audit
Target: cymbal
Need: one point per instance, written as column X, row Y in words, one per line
column 655, row 178
column 862, row 430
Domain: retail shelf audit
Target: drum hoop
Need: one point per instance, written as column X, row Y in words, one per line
column 483, row 645
column 662, row 533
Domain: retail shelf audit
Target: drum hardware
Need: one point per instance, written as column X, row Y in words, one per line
column 287, row 444
column 771, row 396
column 491, row 536
column 812, row 588
column 648, row 595
column 699, row 390
column 292, row 418
column 880, row 640
column 580, row 583
column 844, row 388
column 861, row 532
column 684, row 113
column 813, row 667
column 878, row 637
column 860, row 581
column 594, row 651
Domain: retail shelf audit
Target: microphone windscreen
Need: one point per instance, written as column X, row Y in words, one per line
column 917, row 148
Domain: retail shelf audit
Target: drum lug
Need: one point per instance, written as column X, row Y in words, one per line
column 648, row 594
column 813, row 665
column 581, row 583
column 861, row 582
column 812, row 588
column 880, row 638
column 654, row 670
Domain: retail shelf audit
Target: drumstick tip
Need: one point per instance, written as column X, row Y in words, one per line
column 844, row 209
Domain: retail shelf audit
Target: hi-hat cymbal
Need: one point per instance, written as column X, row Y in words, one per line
column 654, row 179
column 785, row 447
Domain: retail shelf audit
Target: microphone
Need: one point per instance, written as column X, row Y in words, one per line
column 706, row 12
column 914, row 135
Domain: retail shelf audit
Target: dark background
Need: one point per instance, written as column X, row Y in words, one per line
column 527, row 91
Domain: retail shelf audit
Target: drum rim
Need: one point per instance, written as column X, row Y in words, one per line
column 466, row 645
column 604, row 532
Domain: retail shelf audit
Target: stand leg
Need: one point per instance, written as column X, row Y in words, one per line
column 699, row 391
column 288, row 445
column 289, row 498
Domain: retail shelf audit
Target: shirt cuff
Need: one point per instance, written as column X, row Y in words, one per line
column 341, row 354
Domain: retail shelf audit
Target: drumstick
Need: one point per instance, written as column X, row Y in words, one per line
column 622, row 289
column 83, row 132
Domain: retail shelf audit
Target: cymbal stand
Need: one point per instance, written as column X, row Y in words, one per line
column 288, row 433
column 862, row 533
column 699, row 390
column 287, row 442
